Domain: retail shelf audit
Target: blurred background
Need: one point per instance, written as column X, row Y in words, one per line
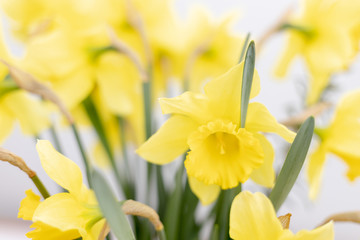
column 282, row 98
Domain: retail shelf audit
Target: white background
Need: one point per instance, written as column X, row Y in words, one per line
column 337, row 194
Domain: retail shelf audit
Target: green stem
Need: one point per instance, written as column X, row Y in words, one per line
column 173, row 208
column 189, row 227
column 83, row 154
column 223, row 211
column 96, row 121
column 161, row 192
column 40, row 186
column 161, row 234
column 129, row 183
column 55, row 137
column 148, row 131
column 302, row 29
column 100, row 131
column 123, row 145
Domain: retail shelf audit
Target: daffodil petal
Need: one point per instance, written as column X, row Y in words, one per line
column 189, row 104
column 224, row 93
column 32, row 115
column 6, row 122
column 206, row 193
column 169, row 141
column 74, row 88
column 295, row 43
column 62, row 211
column 343, row 134
column 61, row 169
column 325, row 232
column 265, row 174
column 318, row 83
column 315, row 171
column 44, row 231
column 117, row 78
column 259, row 119
column 252, row 216
column 28, row 205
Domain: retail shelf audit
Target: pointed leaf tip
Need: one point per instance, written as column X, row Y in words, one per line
column 248, row 74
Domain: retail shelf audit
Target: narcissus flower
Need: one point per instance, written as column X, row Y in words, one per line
column 16, row 105
column 322, row 33
column 341, row 138
column 67, row 215
column 221, row 153
column 211, row 49
column 252, row 216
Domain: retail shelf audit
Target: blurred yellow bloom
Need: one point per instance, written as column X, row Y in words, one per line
column 221, row 154
column 64, row 215
column 252, row 216
column 18, row 106
column 327, row 40
column 211, row 48
column 341, row 138
column 76, row 70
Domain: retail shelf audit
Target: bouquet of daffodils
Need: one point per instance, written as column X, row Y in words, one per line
column 109, row 67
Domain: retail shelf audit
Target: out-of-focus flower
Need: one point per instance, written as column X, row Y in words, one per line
column 221, row 153
column 340, row 138
column 17, row 105
column 262, row 224
column 76, row 70
column 323, row 33
column 211, row 49
column 67, row 215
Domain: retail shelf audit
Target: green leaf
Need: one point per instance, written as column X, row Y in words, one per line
column 293, row 163
column 173, row 207
column 248, row 74
column 215, row 233
column 246, row 42
column 110, row 208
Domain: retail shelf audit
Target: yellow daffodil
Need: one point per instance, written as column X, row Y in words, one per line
column 322, row 32
column 221, row 153
column 30, row 19
column 67, row 215
column 75, row 70
column 340, row 138
column 212, row 48
column 252, row 216
column 16, row 105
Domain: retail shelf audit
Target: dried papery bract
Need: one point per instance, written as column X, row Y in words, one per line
column 27, row 82
column 344, row 217
column 137, row 22
column 275, row 28
column 16, row 161
column 123, row 48
column 285, row 220
column 131, row 207
column 313, row 110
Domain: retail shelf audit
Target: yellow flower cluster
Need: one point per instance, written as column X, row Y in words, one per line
column 99, row 55
column 68, row 45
